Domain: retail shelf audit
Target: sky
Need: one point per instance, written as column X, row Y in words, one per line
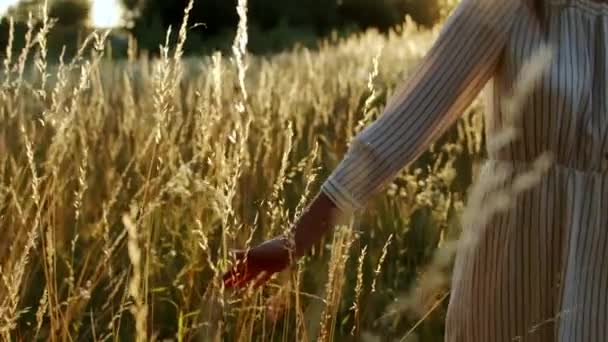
column 105, row 13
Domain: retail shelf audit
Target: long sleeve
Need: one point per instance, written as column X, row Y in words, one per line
column 443, row 85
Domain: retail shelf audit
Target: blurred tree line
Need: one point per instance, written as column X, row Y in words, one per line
column 74, row 13
column 277, row 22
column 71, row 23
column 273, row 25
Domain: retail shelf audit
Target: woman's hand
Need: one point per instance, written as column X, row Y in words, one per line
column 261, row 262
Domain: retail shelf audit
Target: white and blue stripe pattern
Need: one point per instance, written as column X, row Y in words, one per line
column 540, row 271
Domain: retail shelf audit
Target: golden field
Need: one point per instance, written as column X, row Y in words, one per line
column 125, row 184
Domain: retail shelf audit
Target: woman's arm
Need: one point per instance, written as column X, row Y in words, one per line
column 320, row 217
column 445, row 82
column 261, row 262
column 451, row 75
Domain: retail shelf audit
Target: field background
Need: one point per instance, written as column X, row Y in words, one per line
column 124, row 184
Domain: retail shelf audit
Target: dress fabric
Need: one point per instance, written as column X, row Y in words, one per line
column 539, row 271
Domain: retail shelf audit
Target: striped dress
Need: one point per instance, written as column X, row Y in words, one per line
column 540, row 270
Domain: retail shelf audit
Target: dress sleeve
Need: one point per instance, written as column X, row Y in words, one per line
column 450, row 76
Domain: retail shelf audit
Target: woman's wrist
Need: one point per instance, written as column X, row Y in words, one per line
column 320, row 217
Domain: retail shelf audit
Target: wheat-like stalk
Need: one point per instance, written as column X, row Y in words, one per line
column 335, row 280
column 138, row 309
column 25, row 51
column 82, row 178
column 239, row 49
column 368, row 110
column 8, row 57
column 41, row 60
column 358, row 288
column 378, row 269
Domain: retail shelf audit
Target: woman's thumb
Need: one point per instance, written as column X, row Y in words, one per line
column 238, row 254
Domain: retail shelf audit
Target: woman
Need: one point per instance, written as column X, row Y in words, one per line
column 538, row 272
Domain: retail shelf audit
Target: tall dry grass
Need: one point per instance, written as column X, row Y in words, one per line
column 124, row 184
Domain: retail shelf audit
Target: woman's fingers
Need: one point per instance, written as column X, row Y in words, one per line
column 231, row 278
column 240, row 276
column 255, row 265
column 238, row 254
column 238, row 271
column 261, row 279
column 242, row 282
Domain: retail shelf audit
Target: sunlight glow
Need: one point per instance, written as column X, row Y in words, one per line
column 4, row 5
column 105, row 13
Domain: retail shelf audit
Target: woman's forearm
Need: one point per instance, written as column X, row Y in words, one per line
column 320, row 217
